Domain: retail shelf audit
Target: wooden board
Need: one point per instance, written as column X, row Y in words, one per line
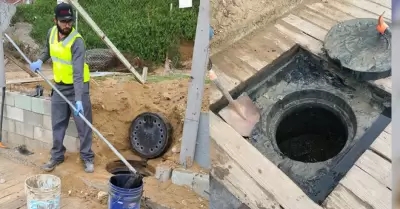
column 237, row 182
column 368, row 189
column 377, row 167
column 383, row 145
column 342, row 198
column 265, row 173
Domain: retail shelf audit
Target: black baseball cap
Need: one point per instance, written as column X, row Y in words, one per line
column 64, row 11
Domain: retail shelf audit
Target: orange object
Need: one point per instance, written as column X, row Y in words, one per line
column 382, row 26
column 2, row 146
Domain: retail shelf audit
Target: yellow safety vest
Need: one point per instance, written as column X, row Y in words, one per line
column 61, row 56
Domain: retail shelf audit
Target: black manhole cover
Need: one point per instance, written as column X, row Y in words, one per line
column 150, row 135
column 358, row 47
column 310, row 134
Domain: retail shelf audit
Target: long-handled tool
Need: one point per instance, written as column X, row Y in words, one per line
column 3, row 86
column 136, row 179
column 242, row 114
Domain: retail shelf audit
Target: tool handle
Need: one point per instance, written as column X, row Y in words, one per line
column 130, row 167
column 214, row 79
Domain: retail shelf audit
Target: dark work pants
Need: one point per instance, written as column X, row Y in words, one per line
column 60, row 115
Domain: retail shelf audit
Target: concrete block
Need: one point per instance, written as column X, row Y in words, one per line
column 199, row 183
column 163, row 173
column 33, row 144
column 71, row 130
column 8, row 125
column 71, row 143
column 33, row 118
column 15, row 139
column 14, row 113
column 47, row 122
column 43, row 135
column 23, row 102
column 24, row 129
column 41, row 106
column 10, row 98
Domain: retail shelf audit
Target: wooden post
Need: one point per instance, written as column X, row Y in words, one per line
column 105, row 39
column 144, row 73
column 196, row 88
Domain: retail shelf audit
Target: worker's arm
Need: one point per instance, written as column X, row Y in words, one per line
column 78, row 60
column 45, row 55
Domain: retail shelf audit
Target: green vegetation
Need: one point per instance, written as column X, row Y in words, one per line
column 146, row 28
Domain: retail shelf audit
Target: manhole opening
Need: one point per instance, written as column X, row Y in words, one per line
column 118, row 167
column 311, row 133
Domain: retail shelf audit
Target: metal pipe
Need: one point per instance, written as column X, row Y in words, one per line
column 130, row 167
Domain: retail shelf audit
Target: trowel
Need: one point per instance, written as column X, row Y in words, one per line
column 242, row 114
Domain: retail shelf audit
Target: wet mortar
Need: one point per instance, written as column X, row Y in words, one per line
column 303, row 96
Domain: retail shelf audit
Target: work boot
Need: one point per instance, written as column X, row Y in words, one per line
column 88, row 166
column 51, row 164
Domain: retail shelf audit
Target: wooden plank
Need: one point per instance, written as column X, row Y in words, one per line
column 17, row 202
column 196, row 88
column 264, row 172
column 305, row 26
column 317, row 19
column 352, row 10
column 385, row 3
column 341, row 198
column 372, row 8
column 237, row 181
column 383, row 145
column 367, row 188
column 245, row 53
column 333, row 14
column 20, row 65
column 376, row 167
column 388, row 129
column 105, row 39
column 279, row 40
column 308, row 42
column 385, row 84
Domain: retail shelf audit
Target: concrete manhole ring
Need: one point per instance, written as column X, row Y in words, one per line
column 357, row 46
column 310, row 126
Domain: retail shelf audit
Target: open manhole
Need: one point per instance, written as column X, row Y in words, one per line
column 313, row 132
column 118, row 167
column 315, row 122
column 150, row 135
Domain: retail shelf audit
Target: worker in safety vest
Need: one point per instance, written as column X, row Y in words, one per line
column 66, row 48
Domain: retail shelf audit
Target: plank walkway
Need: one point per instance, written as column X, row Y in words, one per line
column 368, row 183
column 12, row 195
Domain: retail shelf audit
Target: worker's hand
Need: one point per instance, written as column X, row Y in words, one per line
column 79, row 108
column 36, row 65
column 211, row 34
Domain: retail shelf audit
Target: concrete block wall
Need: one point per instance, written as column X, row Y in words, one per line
column 27, row 121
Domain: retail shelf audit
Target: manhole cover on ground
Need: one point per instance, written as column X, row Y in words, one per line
column 150, row 135
column 312, row 118
column 358, row 47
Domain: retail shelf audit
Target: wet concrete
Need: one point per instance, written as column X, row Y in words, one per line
column 359, row 48
column 337, row 110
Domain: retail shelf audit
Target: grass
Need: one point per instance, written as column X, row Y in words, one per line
column 145, row 28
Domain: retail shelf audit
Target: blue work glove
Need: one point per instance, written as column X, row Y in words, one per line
column 211, row 35
column 36, row 65
column 79, row 108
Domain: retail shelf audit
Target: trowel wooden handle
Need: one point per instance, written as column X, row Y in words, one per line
column 214, row 79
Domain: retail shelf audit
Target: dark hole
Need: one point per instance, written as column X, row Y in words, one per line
column 311, row 134
column 117, row 168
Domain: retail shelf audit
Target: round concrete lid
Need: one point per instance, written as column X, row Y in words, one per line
column 358, row 47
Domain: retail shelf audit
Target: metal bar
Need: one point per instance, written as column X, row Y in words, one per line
column 73, row 108
column 196, row 88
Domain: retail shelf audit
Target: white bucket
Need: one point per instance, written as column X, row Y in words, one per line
column 43, row 191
